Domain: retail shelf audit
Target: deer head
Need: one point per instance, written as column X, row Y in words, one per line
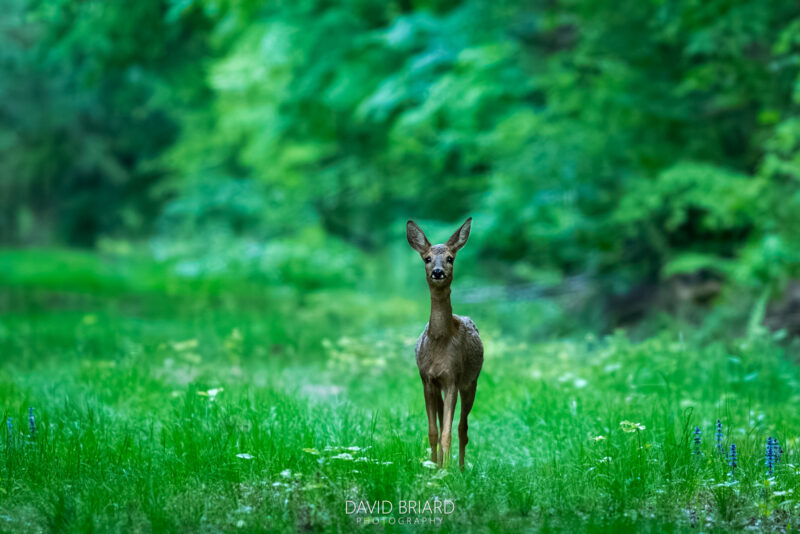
column 439, row 259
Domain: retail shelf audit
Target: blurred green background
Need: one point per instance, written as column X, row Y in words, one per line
column 633, row 157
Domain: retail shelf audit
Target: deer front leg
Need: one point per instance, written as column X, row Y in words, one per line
column 467, row 399
column 440, row 411
column 432, row 400
column 450, row 398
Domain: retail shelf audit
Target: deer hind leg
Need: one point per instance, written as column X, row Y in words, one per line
column 440, row 409
column 450, row 399
column 433, row 398
column 467, row 399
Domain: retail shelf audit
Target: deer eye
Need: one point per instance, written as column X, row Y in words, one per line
column 449, row 259
column 428, row 259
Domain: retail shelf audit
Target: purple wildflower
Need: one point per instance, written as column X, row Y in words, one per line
column 697, row 440
column 770, row 456
column 31, row 422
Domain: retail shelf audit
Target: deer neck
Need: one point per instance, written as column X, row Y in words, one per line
column 441, row 322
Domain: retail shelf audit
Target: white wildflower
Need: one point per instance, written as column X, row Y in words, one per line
column 211, row 393
column 629, row 426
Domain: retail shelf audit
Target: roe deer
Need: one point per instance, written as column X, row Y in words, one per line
column 449, row 351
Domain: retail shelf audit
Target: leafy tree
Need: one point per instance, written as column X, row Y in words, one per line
column 628, row 142
column 85, row 95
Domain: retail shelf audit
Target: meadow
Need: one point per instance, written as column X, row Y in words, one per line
column 167, row 405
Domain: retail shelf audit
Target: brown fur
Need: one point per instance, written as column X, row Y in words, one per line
column 449, row 351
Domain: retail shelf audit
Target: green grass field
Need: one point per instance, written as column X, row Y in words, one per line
column 163, row 406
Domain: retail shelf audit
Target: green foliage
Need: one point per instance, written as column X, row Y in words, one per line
column 622, row 141
column 627, row 143
column 86, row 102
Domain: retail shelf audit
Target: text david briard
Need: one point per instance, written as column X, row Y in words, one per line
column 369, row 512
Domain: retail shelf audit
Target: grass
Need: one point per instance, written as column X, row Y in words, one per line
column 270, row 411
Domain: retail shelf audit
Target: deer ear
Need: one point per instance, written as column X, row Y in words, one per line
column 459, row 238
column 416, row 237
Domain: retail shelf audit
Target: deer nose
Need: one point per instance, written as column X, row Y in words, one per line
column 437, row 273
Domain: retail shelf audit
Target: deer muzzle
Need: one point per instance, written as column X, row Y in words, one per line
column 438, row 274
